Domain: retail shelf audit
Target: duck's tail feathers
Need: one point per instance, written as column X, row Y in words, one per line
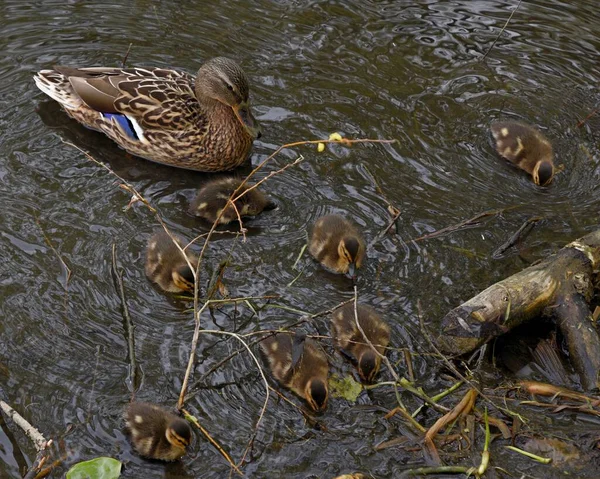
column 57, row 87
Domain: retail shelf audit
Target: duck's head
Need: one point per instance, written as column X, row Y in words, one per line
column 183, row 278
column 350, row 253
column 223, row 80
column 178, row 433
column 368, row 365
column 316, row 394
column 543, row 172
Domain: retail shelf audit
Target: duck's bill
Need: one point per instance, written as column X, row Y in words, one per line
column 351, row 271
column 247, row 119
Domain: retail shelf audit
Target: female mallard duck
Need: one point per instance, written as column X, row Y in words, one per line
column 156, row 433
column 167, row 266
column 350, row 341
column 337, row 244
column 525, row 147
column 212, row 198
column 300, row 365
column 162, row 115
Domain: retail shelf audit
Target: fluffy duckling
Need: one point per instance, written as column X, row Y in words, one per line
column 349, row 340
column 300, row 365
column 166, row 266
column 337, row 244
column 212, row 199
column 525, row 147
column 156, row 433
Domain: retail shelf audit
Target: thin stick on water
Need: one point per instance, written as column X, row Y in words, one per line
column 194, row 420
column 392, row 210
column 92, row 392
column 502, row 31
column 118, row 274
column 32, row 433
column 126, row 56
column 264, row 378
column 270, row 175
column 583, row 122
column 470, row 221
column 192, row 357
column 62, row 261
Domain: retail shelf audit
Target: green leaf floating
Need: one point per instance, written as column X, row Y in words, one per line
column 346, row 388
column 99, row 468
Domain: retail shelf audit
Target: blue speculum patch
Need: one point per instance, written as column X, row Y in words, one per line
column 124, row 123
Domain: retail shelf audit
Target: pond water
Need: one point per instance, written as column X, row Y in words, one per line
column 384, row 69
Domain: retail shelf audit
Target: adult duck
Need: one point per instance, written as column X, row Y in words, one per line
column 167, row 116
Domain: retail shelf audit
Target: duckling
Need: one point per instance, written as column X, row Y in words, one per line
column 525, row 147
column 337, row 244
column 300, row 365
column 156, row 433
column 166, row 266
column 350, row 341
column 213, row 196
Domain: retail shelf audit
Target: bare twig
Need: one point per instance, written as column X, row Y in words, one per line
column 262, row 374
column 474, row 219
column 128, row 323
column 583, row 122
column 424, row 471
column 517, row 236
column 502, row 31
column 32, row 433
column 126, row 56
column 217, row 446
column 192, row 358
column 62, row 261
column 95, row 376
column 392, row 210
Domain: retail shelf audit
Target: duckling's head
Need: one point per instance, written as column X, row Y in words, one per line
column 223, row 80
column 178, row 433
column 351, row 253
column 254, row 202
column 368, row 365
column 543, row 172
column 316, row 394
column 183, row 278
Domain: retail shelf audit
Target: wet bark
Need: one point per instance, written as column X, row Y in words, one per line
column 560, row 287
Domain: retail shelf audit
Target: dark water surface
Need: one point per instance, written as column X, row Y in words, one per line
column 368, row 69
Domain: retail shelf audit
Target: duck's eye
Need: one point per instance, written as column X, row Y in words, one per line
column 229, row 87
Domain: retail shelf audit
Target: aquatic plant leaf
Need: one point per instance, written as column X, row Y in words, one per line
column 99, row 468
column 346, row 388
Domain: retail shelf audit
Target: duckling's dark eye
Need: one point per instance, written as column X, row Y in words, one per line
column 229, row 87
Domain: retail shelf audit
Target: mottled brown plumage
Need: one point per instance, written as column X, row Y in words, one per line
column 156, row 433
column 525, row 147
column 300, row 366
column 213, row 196
column 350, row 341
column 336, row 243
column 203, row 123
column 166, row 265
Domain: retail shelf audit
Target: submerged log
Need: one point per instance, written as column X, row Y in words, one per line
column 560, row 287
